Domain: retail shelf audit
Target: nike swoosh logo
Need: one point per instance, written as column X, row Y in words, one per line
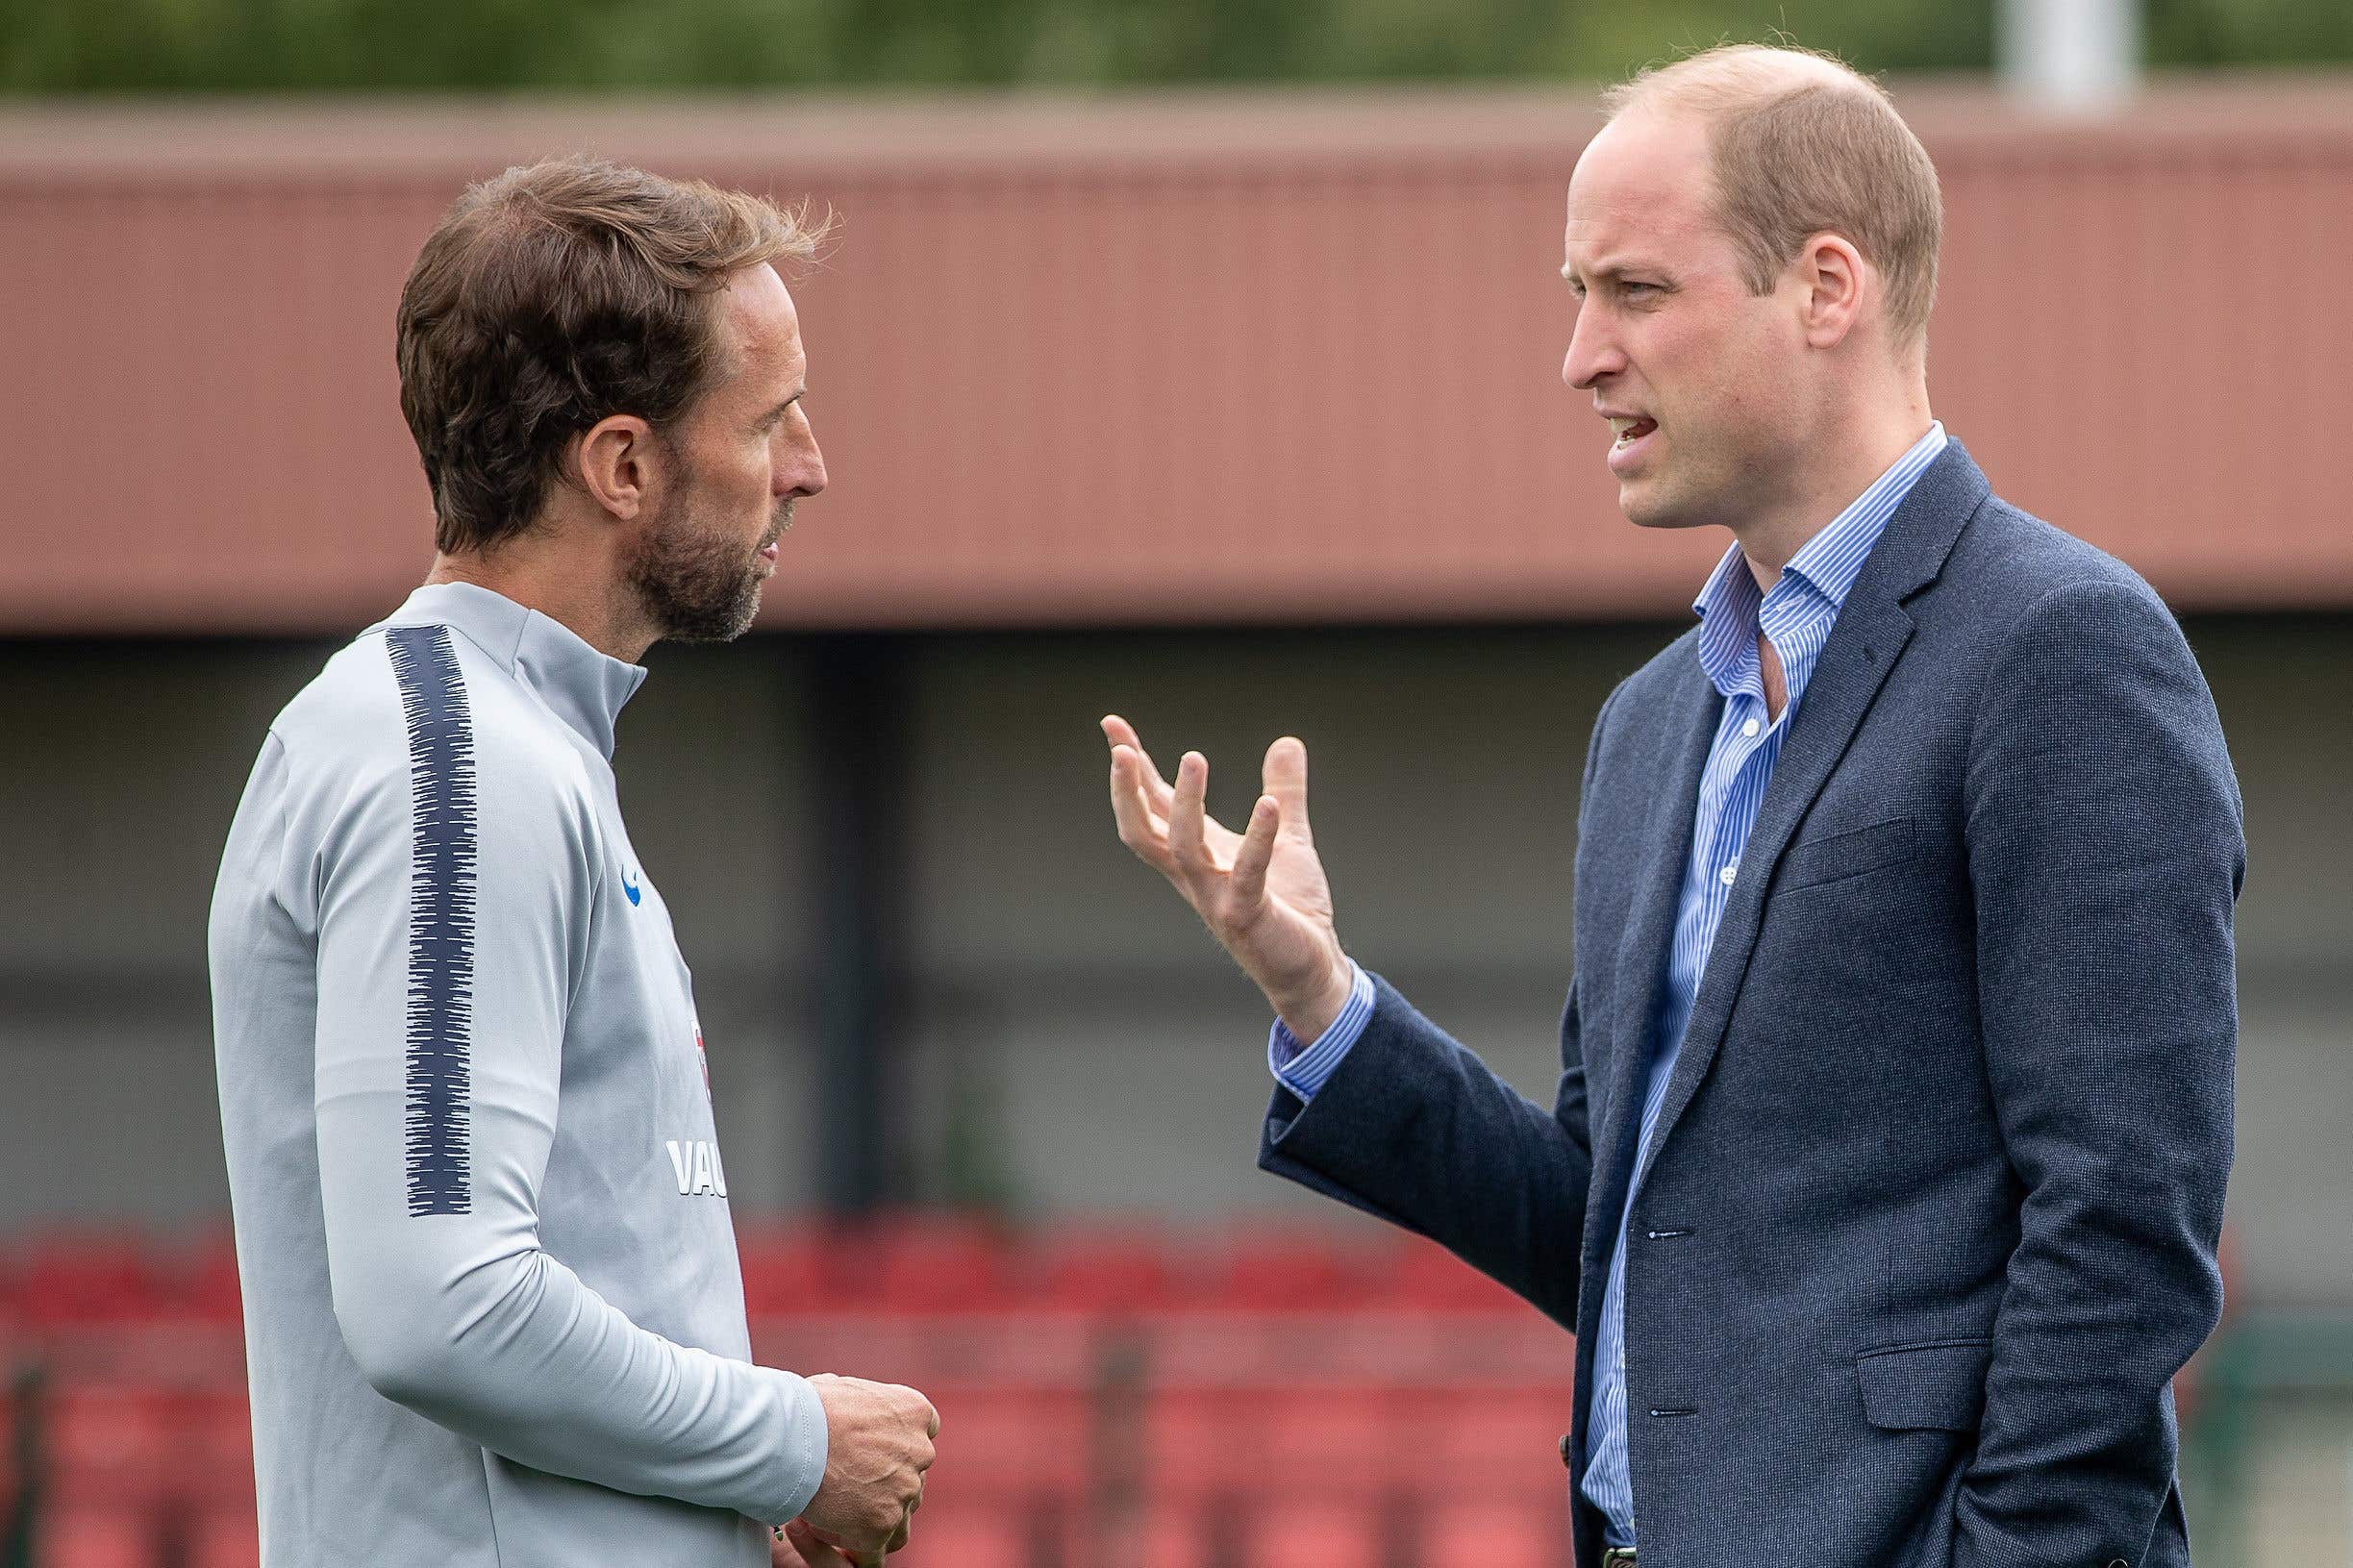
column 630, row 887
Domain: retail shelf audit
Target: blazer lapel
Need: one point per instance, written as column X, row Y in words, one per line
column 1685, row 731
column 1869, row 634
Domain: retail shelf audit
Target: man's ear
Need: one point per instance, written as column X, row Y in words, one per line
column 1834, row 276
column 619, row 458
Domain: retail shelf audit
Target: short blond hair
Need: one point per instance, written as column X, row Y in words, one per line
column 1801, row 144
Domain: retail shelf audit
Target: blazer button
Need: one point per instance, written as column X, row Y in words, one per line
column 1565, row 1459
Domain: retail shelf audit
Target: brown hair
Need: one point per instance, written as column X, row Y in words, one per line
column 1802, row 144
column 552, row 297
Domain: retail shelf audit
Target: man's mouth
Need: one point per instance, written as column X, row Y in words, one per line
column 1630, row 428
column 778, row 527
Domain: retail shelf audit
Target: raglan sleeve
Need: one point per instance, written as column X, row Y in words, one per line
column 450, row 893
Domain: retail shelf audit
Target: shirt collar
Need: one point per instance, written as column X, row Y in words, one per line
column 586, row 690
column 1729, row 605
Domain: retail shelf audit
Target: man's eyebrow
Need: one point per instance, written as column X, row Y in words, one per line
column 1617, row 267
column 777, row 413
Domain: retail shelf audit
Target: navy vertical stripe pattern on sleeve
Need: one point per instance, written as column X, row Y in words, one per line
column 440, row 1022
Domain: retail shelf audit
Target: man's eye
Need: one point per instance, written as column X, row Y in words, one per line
column 1630, row 286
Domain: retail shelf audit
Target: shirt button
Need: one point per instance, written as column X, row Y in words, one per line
column 1749, row 729
column 1726, row 875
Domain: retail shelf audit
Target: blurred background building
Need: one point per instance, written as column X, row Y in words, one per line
column 1228, row 401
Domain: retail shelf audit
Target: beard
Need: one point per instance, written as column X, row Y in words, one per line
column 698, row 583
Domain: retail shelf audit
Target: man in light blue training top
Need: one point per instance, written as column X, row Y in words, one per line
column 493, row 1313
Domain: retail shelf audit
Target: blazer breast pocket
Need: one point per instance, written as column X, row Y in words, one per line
column 1938, row 1386
column 1839, row 856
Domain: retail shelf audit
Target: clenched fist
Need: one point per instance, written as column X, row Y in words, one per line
column 878, row 1446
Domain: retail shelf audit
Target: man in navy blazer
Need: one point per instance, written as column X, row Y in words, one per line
column 1884, row 1181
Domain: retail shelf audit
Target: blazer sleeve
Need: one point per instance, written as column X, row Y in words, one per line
column 1413, row 1128
column 2105, row 853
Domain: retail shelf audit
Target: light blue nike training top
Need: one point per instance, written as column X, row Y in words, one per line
column 493, row 1314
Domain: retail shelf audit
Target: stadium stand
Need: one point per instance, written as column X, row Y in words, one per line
column 1108, row 1395
column 1241, row 1400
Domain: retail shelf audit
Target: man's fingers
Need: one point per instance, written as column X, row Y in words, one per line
column 808, row 1549
column 1285, row 776
column 1255, row 853
column 1188, row 847
column 846, row 1556
column 1139, row 829
column 1156, row 789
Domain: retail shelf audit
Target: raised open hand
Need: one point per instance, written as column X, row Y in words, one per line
column 1261, row 891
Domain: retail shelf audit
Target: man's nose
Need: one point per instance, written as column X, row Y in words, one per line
column 1592, row 353
column 804, row 474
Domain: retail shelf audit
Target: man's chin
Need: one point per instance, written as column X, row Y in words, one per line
column 1644, row 506
column 711, row 627
column 1647, row 505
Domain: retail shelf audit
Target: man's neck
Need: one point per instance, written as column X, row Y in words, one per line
column 580, row 600
column 1859, row 453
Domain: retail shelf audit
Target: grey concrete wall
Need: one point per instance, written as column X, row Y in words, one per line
column 1074, row 1042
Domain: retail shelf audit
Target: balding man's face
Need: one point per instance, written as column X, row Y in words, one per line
column 1697, row 375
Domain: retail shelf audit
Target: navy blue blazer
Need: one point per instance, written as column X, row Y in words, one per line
column 1930, row 1218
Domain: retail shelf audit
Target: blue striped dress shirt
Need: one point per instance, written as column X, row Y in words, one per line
column 1796, row 615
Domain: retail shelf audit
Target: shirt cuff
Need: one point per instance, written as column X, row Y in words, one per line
column 807, row 1441
column 1304, row 1069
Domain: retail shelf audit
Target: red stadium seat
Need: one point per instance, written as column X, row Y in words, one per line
column 1156, row 1535
column 75, row 1277
column 945, row 1264
column 1428, row 1276
column 1173, row 1538
column 1289, row 1534
column 1014, row 1440
column 1286, row 1272
column 97, row 1538
column 1476, row 1535
column 113, row 1442
column 212, row 1292
column 953, row 1537
column 786, row 1269
column 1336, row 1440
column 1490, row 1442
column 220, row 1438
column 225, row 1539
column 1204, row 1443
column 1109, row 1274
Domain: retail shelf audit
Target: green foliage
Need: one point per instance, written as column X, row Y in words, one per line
column 2248, row 32
column 58, row 46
